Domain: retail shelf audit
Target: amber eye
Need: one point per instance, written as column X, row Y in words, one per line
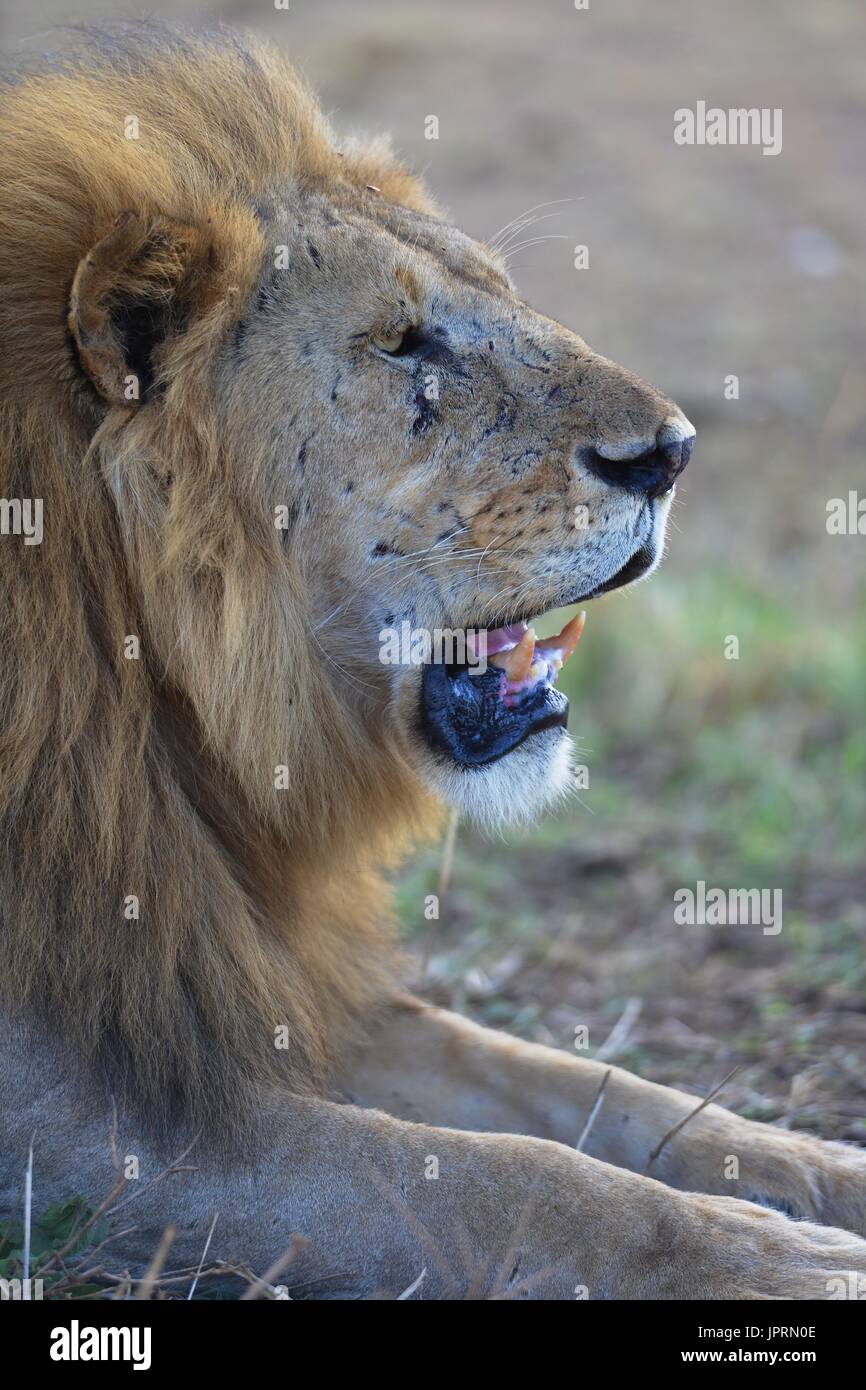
column 389, row 342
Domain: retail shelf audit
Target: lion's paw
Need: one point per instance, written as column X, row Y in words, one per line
column 758, row 1253
column 807, row 1178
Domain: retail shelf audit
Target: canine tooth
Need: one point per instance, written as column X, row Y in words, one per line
column 516, row 662
column 564, row 644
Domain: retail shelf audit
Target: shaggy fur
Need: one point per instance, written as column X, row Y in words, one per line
column 113, row 780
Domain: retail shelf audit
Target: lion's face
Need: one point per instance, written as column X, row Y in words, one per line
column 450, row 461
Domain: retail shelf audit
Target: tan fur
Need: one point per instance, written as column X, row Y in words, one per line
column 151, row 263
column 238, row 933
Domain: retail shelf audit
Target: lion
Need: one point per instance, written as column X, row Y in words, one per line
column 273, row 404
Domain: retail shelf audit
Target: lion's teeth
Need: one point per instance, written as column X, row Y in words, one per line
column 531, row 660
column 561, row 647
column 516, row 663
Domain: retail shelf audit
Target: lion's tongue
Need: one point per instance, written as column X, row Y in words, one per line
column 527, row 659
column 501, row 639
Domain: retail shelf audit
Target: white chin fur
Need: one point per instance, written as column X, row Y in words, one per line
column 516, row 789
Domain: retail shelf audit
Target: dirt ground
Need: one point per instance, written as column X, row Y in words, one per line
column 703, row 263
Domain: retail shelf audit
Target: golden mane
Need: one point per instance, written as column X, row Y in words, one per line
column 258, row 910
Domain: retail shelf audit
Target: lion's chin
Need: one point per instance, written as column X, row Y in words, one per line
column 516, row 789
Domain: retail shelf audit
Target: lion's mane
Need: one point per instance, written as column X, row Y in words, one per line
column 152, row 778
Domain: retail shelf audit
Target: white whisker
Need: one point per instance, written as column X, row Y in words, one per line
column 494, row 242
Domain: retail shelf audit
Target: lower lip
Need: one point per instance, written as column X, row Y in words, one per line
column 442, row 722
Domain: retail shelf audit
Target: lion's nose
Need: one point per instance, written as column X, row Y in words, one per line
column 649, row 470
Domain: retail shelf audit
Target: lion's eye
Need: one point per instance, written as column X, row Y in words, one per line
column 389, row 342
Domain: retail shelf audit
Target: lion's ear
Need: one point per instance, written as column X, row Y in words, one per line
column 132, row 292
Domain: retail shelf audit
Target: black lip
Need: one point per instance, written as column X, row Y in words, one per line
column 463, row 717
column 637, row 565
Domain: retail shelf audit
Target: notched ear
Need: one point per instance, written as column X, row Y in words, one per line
column 133, row 291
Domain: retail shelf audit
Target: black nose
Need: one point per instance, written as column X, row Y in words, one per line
column 652, row 473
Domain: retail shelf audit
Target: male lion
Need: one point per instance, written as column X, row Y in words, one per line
column 273, row 404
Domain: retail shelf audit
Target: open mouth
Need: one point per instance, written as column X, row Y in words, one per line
column 476, row 713
column 475, row 716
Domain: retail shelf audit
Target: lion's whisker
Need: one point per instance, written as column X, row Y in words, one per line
column 522, row 227
column 534, row 241
column 494, row 242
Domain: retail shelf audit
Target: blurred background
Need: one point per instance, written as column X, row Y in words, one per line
column 704, row 263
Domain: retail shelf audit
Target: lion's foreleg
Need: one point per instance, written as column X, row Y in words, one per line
column 433, row 1066
column 367, row 1205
